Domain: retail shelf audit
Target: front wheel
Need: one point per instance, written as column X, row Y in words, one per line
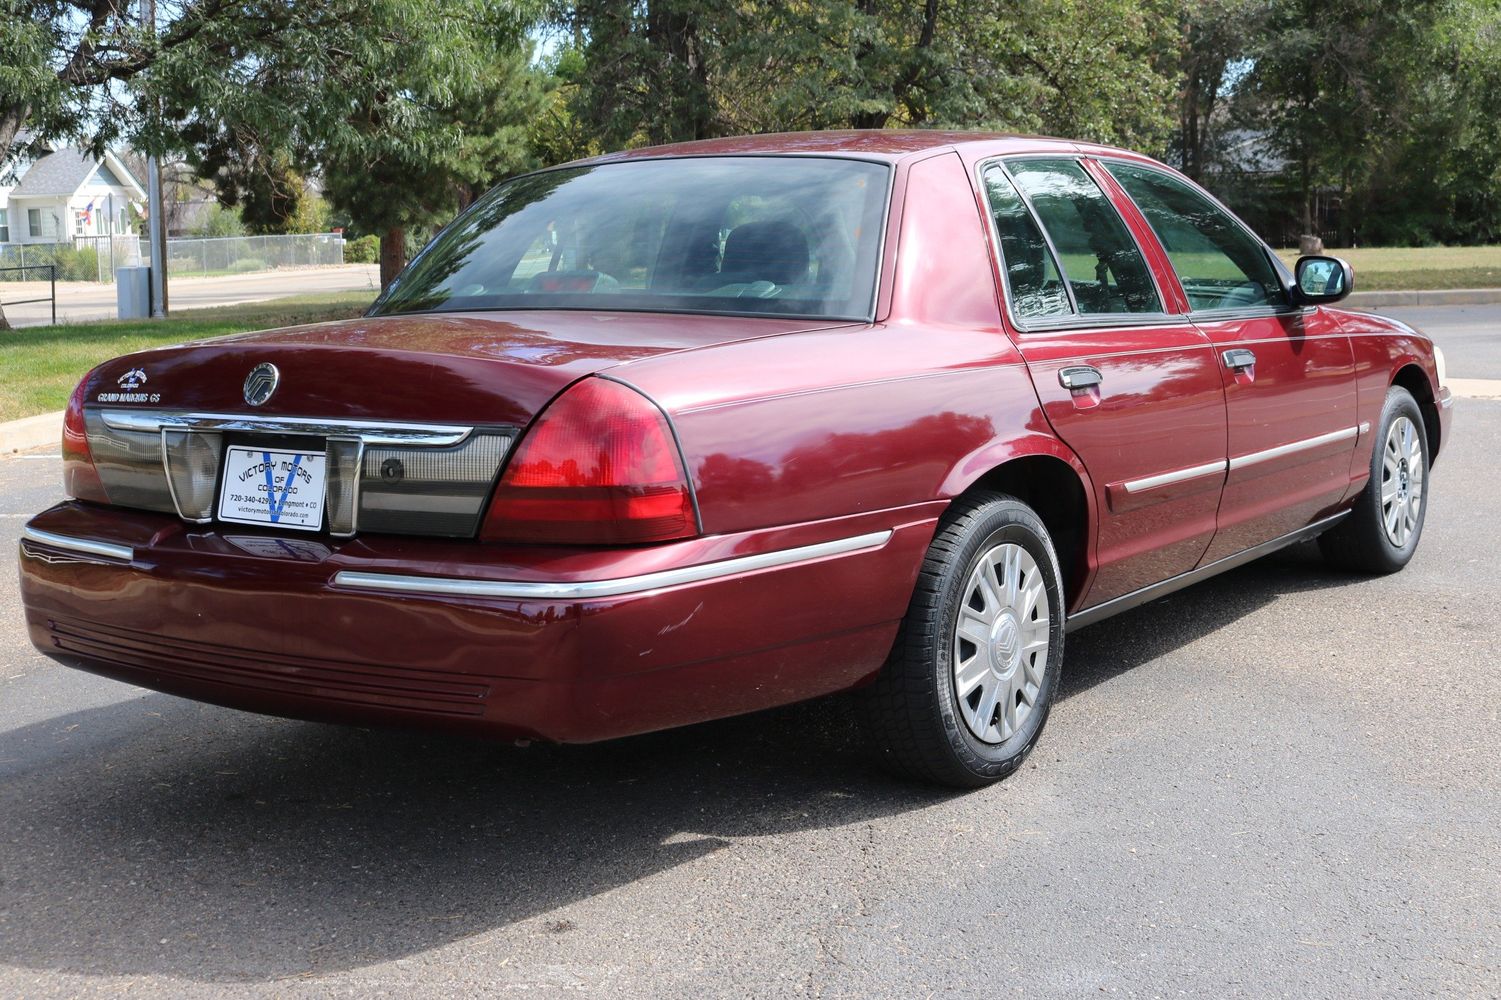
column 1381, row 534
column 967, row 689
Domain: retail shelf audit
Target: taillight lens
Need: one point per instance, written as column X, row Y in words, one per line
column 80, row 478
column 599, row 467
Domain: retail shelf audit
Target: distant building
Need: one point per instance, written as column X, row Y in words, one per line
column 65, row 193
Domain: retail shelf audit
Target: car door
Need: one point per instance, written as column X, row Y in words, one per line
column 1289, row 373
column 1132, row 389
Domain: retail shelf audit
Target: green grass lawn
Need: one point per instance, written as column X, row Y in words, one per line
column 1418, row 268
column 40, row 365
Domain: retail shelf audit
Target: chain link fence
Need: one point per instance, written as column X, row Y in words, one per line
column 95, row 258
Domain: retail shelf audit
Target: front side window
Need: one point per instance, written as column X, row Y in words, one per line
column 729, row 235
column 1099, row 259
column 1220, row 265
column 1032, row 277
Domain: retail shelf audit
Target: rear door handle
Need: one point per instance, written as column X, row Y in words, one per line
column 1080, row 377
column 1239, row 357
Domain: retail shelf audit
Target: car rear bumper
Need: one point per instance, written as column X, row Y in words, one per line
column 563, row 645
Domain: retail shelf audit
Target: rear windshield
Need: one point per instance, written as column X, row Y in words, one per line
column 732, row 235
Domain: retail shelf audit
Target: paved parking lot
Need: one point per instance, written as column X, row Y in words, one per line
column 1281, row 783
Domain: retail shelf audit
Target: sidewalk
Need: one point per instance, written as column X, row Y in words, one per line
column 79, row 301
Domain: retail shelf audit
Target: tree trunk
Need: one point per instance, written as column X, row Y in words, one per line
column 393, row 255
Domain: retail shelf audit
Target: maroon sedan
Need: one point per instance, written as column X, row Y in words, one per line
column 685, row 432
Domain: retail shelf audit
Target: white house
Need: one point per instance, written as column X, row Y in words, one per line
column 66, row 193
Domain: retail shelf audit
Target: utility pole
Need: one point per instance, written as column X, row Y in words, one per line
column 156, row 223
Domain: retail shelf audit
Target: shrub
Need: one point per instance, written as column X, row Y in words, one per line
column 247, row 264
column 365, row 250
column 77, row 264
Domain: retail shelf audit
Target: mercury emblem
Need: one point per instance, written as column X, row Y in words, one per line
column 261, row 383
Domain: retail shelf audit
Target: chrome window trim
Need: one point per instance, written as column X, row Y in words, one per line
column 1292, row 447
column 439, row 586
column 1176, row 476
column 88, row 546
column 372, row 432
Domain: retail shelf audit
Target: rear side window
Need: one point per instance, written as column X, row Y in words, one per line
column 1219, row 264
column 1099, row 259
column 1032, row 276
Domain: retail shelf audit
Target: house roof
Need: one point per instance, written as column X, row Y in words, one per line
column 63, row 171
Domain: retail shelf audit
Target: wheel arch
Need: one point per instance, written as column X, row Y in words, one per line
column 1052, row 481
column 1411, row 377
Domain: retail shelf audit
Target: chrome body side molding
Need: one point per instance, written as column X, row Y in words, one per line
column 437, row 586
column 87, row 546
column 372, row 432
column 1136, row 598
column 1292, row 447
column 1176, row 476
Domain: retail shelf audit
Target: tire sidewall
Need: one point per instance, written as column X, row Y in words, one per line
column 1399, row 403
column 1008, row 521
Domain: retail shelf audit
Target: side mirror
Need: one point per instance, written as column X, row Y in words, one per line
column 1323, row 279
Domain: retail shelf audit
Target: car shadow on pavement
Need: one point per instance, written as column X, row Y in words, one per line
column 158, row 836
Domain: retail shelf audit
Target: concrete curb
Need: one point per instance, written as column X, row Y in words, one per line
column 1437, row 297
column 31, row 432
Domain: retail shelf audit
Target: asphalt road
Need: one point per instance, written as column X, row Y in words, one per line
column 1281, row 783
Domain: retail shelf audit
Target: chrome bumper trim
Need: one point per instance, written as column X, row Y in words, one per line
column 1257, row 457
column 1176, row 476
column 372, row 432
column 440, row 586
column 122, row 552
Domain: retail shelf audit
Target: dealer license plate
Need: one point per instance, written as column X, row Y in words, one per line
column 282, row 488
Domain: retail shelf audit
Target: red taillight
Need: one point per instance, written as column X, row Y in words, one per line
column 599, row 467
column 80, row 478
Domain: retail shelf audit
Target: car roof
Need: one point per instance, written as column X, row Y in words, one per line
column 876, row 144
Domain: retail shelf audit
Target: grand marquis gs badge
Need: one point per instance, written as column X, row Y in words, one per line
column 261, row 383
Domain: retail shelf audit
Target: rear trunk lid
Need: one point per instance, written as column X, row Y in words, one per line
column 493, row 369
column 397, row 424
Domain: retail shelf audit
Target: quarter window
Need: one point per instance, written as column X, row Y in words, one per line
column 1032, row 276
column 1220, row 264
column 1099, row 259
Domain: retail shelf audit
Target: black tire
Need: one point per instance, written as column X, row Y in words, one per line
column 912, row 711
column 1361, row 542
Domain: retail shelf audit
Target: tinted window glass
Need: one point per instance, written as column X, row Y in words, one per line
column 777, row 235
column 1100, row 261
column 1220, row 265
column 1032, row 277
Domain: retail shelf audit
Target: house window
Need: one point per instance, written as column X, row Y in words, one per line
column 4, row 226
column 124, row 222
column 34, row 222
column 79, row 226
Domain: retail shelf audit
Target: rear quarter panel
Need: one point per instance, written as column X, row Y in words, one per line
column 860, row 418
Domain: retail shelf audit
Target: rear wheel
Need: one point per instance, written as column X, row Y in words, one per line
column 1382, row 532
column 972, row 675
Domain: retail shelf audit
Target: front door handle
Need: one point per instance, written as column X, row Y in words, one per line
column 1080, row 377
column 1239, row 357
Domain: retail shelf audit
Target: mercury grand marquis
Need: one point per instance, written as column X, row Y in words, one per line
column 679, row 433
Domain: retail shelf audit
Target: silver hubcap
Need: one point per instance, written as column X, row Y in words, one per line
column 1401, row 481
column 1001, row 643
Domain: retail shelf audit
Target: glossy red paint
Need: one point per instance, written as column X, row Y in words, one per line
column 793, row 433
